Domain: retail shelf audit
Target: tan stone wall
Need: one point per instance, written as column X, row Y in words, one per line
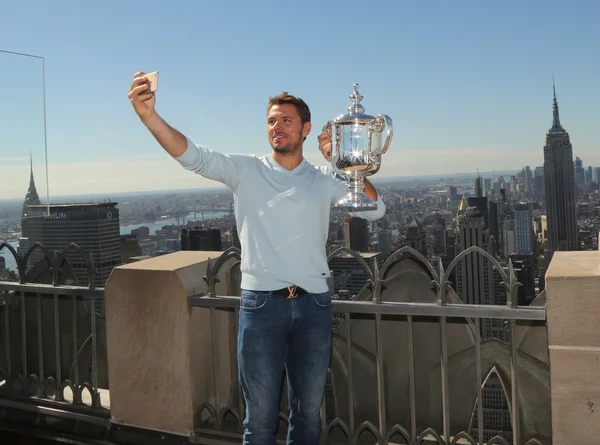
column 159, row 354
column 573, row 311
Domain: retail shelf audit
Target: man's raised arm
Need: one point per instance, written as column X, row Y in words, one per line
column 143, row 102
column 227, row 169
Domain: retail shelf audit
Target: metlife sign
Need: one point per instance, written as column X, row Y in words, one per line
column 103, row 214
column 56, row 215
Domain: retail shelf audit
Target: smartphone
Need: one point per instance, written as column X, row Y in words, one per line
column 152, row 81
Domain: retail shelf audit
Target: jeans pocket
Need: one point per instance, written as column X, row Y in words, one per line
column 323, row 299
column 252, row 300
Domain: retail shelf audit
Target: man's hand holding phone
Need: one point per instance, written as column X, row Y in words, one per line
column 141, row 93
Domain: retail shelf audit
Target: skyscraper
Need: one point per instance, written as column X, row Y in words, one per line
column 201, row 239
column 31, row 198
column 487, row 186
column 579, row 176
column 508, row 236
column 349, row 275
column 482, row 205
column 525, row 267
column 538, row 182
column 589, row 175
column 495, row 238
column 356, row 233
column 528, row 179
column 478, row 187
column 473, row 278
column 560, row 188
column 452, row 192
column 523, row 229
column 416, row 236
column 385, row 240
column 94, row 227
column 439, row 236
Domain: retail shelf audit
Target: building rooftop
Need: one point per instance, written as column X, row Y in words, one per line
column 154, row 361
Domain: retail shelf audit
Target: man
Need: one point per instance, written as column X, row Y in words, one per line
column 282, row 206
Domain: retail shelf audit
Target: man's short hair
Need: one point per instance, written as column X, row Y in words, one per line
column 286, row 98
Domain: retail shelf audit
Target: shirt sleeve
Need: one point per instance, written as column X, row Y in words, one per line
column 225, row 168
column 340, row 189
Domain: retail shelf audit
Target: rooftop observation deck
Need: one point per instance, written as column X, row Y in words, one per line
column 150, row 359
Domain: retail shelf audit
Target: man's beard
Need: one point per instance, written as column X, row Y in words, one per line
column 287, row 149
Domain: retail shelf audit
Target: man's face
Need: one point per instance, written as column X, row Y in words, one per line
column 285, row 129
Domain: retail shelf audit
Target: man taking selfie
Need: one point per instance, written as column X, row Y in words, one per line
column 282, row 205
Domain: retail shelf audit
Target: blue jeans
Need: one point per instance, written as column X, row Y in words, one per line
column 277, row 333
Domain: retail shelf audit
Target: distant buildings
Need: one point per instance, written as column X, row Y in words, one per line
column 349, row 275
column 93, row 227
column 201, row 239
column 384, row 241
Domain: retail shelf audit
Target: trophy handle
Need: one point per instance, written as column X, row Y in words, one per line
column 328, row 128
column 380, row 123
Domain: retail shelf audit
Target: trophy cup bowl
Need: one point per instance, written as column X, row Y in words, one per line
column 356, row 150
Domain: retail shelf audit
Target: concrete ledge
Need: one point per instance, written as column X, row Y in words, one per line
column 573, row 311
column 159, row 352
column 573, row 299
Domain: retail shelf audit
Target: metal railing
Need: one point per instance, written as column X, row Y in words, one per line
column 384, row 429
column 37, row 367
column 52, row 339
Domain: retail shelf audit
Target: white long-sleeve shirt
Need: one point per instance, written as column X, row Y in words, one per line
column 282, row 216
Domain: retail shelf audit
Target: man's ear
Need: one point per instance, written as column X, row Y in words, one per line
column 306, row 129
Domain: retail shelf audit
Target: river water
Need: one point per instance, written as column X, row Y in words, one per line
column 157, row 225
column 10, row 261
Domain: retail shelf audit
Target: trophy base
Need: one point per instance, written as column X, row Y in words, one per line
column 356, row 202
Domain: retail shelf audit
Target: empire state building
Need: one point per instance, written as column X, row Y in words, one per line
column 559, row 174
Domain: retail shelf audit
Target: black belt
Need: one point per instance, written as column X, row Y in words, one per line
column 290, row 292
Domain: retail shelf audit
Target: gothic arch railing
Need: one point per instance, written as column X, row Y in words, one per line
column 22, row 263
column 376, row 281
column 56, row 261
column 440, row 277
column 380, row 431
column 59, row 374
column 14, row 254
column 88, row 260
column 344, row 250
column 212, row 272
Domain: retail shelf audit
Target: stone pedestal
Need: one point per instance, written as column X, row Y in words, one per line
column 573, row 311
column 159, row 350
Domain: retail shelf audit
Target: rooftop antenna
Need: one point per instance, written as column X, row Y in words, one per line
column 45, row 135
column 44, row 98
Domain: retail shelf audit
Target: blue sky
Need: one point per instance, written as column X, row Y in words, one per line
column 468, row 84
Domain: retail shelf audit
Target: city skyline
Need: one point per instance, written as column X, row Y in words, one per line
column 468, row 87
column 459, row 177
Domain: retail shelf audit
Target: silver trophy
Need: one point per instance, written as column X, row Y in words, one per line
column 356, row 150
